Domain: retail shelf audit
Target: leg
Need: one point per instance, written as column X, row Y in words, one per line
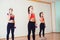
column 40, row 31
column 29, row 32
column 33, row 33
column 43, row 32
column 8, row 32
column 12, row 32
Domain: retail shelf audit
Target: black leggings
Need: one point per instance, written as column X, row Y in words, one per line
column 31, row 27
column 10, row 26
column 42, row 28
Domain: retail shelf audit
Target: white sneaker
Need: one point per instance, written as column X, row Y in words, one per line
column 41, row 38
column 44, row 38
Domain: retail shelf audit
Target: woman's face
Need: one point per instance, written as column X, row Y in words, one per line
column 10, row 11
column 42, row 15
column 31, row 9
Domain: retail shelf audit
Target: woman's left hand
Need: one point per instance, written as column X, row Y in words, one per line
column 35, row 25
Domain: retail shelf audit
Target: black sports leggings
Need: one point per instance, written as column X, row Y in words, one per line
column 42, row 29
column 10, row 26
column 31, row 27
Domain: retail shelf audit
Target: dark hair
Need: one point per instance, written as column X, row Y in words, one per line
column 29, row 9
column 40, row 14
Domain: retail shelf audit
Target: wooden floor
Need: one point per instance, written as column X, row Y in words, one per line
column 49, row 36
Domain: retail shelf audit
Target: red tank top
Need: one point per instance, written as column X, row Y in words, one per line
column 11, row 17
column 32, row 16
column 42, row 19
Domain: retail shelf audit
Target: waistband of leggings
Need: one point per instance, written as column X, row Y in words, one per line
column 31, row 22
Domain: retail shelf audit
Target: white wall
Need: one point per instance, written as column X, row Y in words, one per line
column 57, row 6
column 21, row 16
column 53, row 17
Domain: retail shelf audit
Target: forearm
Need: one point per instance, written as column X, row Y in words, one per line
column 14, row 22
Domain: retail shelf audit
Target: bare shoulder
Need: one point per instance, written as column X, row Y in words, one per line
column 13, row 15
column 40, row 18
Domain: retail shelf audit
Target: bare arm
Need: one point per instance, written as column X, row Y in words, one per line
column 14, row 19
column 29, row 16
column 8, row 16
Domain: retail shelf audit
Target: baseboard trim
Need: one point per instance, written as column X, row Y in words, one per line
column 31, row 35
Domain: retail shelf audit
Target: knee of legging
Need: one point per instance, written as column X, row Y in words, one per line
column 33, row 33
column 28, row 34
column 12, row 33
column 7, row 33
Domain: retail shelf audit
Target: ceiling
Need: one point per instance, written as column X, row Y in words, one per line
column 47, row 0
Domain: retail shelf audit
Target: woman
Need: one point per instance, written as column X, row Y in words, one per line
column 11, row 24
column 42, row 24
column 31, row 23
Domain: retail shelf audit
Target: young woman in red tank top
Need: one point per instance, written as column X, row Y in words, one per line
column 31, row 23
column 11, row 24
column 42, row 24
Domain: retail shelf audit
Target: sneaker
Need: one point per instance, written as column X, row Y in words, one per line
column 41, row 38
column 44, row 38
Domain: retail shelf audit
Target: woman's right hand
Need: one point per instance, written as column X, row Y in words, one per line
column 14, row 27
column 35, row 25
column 7, row 13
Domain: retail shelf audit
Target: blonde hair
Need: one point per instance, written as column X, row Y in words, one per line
column 11, row 9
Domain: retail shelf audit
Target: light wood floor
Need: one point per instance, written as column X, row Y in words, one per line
column 49, row 36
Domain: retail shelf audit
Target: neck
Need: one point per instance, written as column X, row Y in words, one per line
column 31, row 12
column 42, row 16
